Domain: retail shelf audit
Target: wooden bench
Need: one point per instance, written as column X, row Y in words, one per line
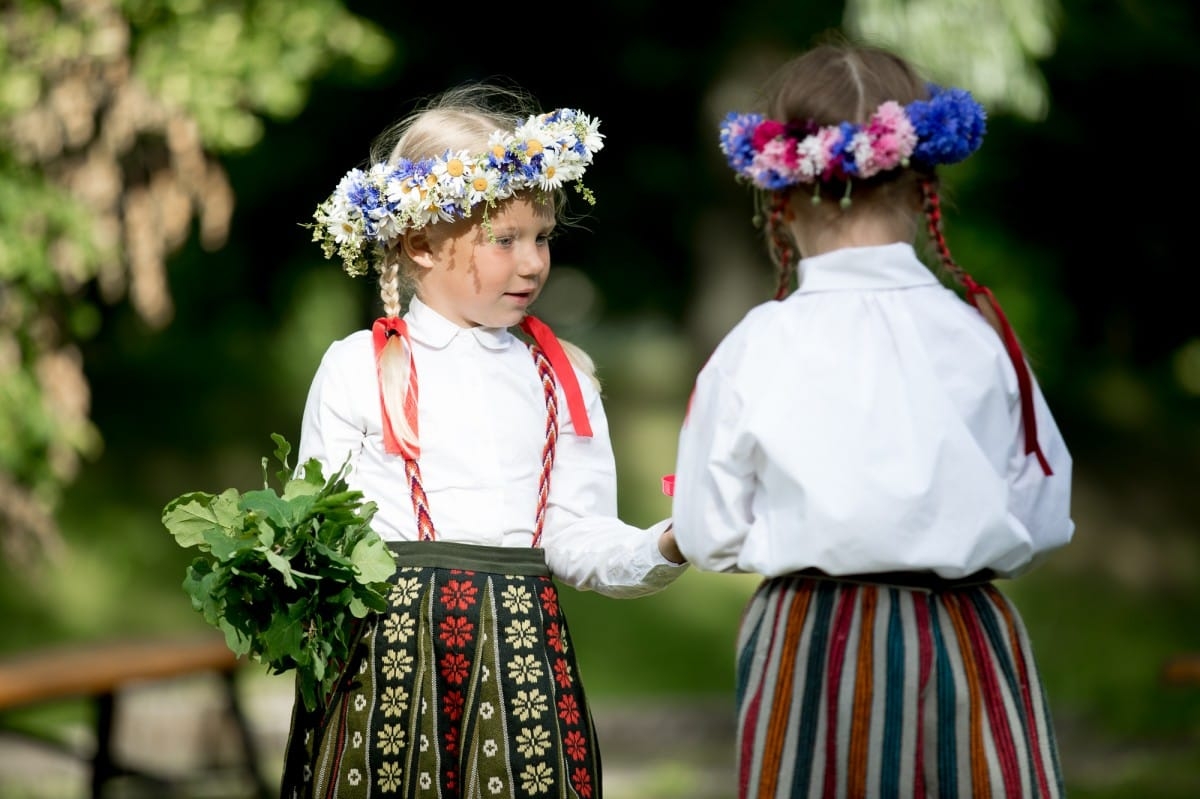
column 98, row 672
column 1183, row 669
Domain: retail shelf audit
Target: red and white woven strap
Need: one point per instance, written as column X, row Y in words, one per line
column 550, row 389
column 420, row 503
column 412, row 469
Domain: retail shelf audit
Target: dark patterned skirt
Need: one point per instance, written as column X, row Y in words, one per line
column 467, row 686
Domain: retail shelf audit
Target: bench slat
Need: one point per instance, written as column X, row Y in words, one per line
column 100, row 668
column 1182, row 669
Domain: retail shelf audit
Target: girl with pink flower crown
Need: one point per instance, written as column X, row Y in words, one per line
column 878, row 451
column 482, row 440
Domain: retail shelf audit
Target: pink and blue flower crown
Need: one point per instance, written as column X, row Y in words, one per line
column 771, row 155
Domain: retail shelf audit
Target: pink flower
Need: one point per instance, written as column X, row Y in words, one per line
column 886, row 142
column 766, row 131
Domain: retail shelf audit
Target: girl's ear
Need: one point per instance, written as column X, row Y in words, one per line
column 419, row 247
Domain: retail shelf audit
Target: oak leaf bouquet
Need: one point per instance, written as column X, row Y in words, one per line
column 287, row 576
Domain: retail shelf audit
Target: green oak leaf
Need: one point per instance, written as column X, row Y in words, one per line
column 190, row 516
column 373, row 560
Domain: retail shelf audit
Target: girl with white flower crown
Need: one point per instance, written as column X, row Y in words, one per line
column 870, row 446
column 483, row 441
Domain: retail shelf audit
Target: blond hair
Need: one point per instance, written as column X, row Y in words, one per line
column 461, row 118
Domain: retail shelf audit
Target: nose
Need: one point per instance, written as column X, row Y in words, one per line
column 533, row 261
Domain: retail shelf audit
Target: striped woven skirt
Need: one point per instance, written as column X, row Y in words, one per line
column 467, row 686
column 860, row 689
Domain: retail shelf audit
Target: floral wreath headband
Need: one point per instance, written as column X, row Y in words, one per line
column 773, row 156
column 385, row 201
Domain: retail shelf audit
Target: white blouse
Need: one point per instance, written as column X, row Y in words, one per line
column 871, row 421
column 482, row 423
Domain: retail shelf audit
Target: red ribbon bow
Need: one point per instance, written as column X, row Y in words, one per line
column 384, row 328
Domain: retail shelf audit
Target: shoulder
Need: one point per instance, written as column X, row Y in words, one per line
column 758, row 324
column 352, row 351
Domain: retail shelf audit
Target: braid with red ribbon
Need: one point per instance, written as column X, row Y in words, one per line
column 986, row 303
column 385, row 328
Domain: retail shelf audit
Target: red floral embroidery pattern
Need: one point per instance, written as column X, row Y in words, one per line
column 452, row 704
column 562, row 673
column 549, row 599
column 458, row 595
column 457, row 631
column 554, row 637
column 568, row 709
column 582, row 782
column 455, row 667
column 576, row 745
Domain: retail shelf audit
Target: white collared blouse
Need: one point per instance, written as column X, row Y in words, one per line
column 870, row 421
column 482, row 423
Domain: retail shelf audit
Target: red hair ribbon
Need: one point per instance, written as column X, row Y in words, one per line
column 977, row 294
column 384, row 328
column 545, row 338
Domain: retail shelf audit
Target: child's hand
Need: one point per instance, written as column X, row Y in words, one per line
column 668, row 547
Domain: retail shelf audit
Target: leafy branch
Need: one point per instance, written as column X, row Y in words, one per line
column 287, row 576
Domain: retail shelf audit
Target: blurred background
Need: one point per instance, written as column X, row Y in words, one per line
column 162, row 305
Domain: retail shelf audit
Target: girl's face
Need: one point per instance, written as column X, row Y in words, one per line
column 476, row 279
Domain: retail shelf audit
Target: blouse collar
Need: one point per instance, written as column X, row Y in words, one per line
column 885, row 266
column 434, row 330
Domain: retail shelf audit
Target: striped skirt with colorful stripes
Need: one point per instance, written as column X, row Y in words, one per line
column 467, row 686
column 858, row 689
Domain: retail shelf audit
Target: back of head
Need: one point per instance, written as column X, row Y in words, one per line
column 847, row 118
column 841, row 82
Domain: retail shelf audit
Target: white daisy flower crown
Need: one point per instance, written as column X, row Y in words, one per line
column 380, row 204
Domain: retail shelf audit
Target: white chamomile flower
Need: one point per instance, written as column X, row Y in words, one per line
column 549, row 177
column 592, row 138
column 484, row 184
column 343, row 222
column 452, row 167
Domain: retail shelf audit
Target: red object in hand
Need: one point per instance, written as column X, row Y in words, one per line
column 668, row 485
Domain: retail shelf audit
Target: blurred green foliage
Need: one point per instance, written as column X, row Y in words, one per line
column 109, row 115
column 235, row 63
